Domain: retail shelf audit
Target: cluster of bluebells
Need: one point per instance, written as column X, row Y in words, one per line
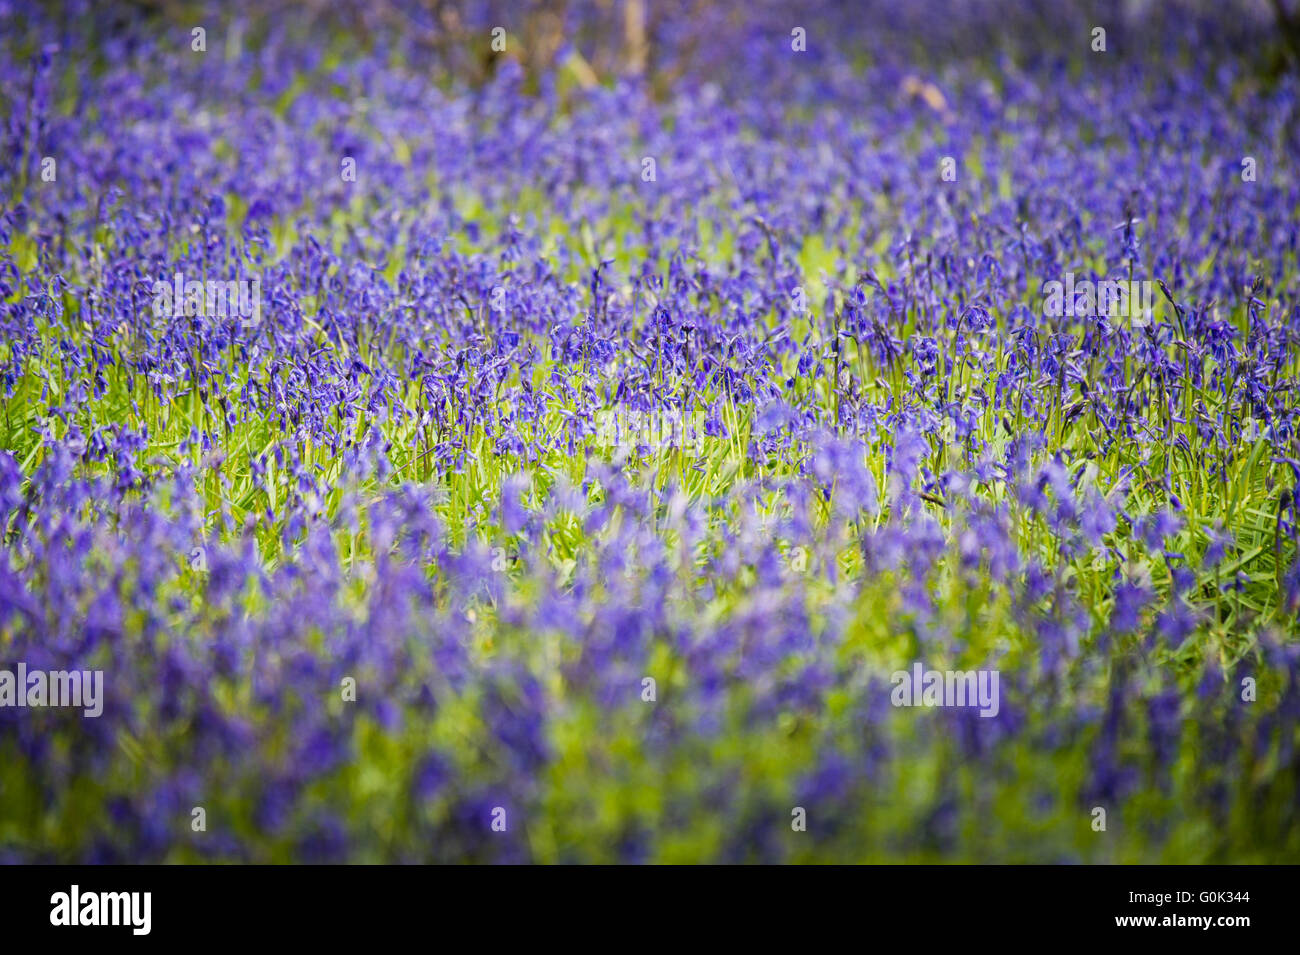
column 609, row 436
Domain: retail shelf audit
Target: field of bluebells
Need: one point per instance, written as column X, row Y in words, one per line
column 625, row 406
